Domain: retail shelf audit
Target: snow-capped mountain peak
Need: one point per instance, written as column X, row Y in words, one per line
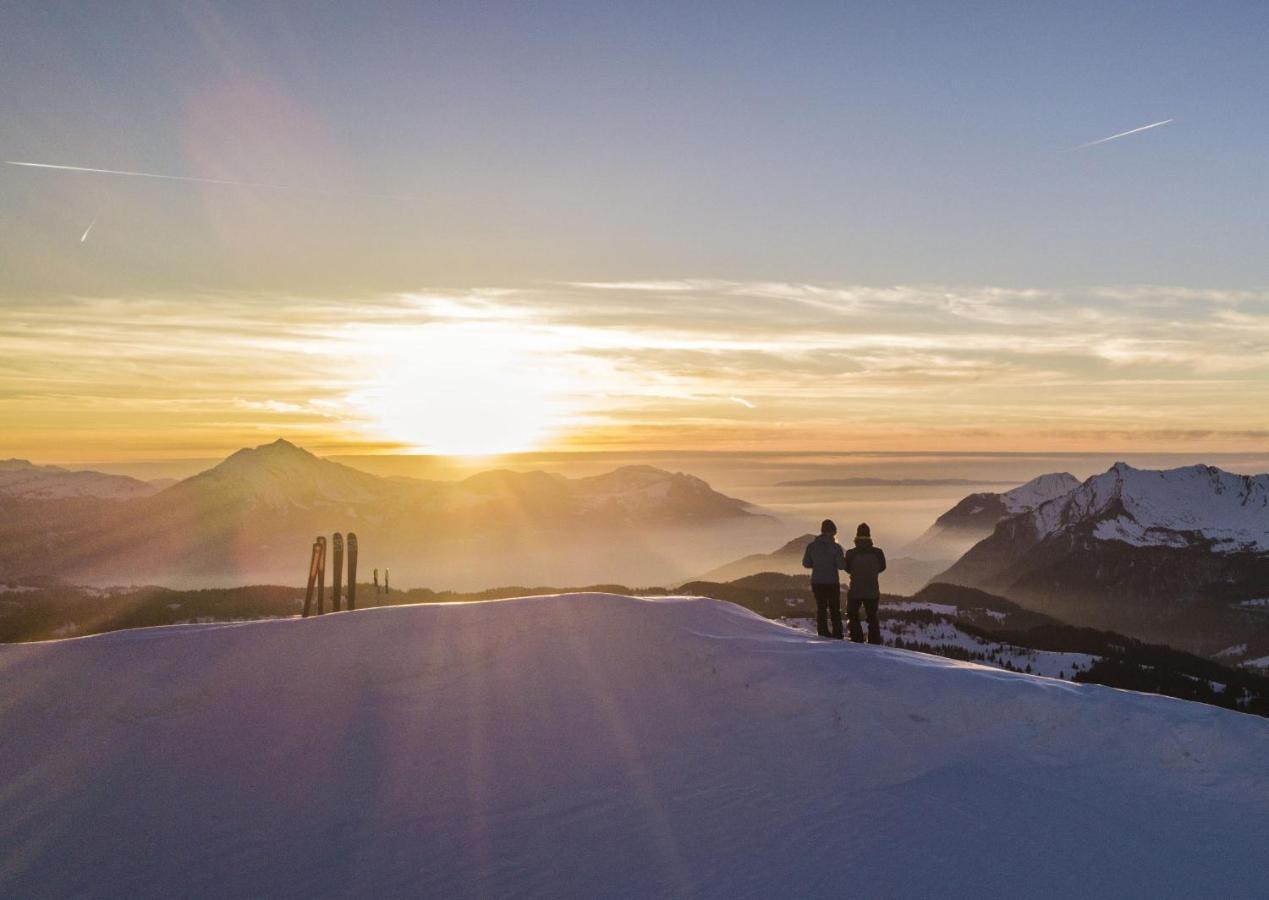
column 1188, row 506
column 1039, row 490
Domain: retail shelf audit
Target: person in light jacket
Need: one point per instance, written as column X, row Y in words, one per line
column 864, row 562
column 825, row 557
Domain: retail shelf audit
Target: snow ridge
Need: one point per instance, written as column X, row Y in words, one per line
column 1184, row 507
column 1038, row 491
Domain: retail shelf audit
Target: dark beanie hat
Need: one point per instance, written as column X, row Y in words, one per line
column 863, row 531
column 828, row 526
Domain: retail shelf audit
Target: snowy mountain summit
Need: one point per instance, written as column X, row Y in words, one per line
column 1168, row 556
column 1038, row 491
column 597, row 745
column 1194, row 505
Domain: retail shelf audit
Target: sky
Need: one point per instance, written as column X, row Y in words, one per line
column 481, row 227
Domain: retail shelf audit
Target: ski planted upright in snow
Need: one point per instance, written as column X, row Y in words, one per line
column 314, row 560
column 352, row 571
column 338, row 575
column 321, row 575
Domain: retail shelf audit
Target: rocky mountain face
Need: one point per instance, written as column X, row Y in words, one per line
column 1179, row 556
column 975, row 517
column 253, row 517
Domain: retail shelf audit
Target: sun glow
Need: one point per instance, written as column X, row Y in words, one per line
column 467, row 390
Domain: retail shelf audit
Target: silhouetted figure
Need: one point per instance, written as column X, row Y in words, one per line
column 824, row 557
column 864, row 562
column 386, row 589
column 376, row 582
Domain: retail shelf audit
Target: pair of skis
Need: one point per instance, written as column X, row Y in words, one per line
column 317, row 574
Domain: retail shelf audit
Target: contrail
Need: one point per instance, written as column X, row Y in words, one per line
column 742, row 401
column 221, row 181
column 83, row 237
column 35, row 165
column 1123, row 134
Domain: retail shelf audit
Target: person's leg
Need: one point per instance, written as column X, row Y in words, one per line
column 874, row 623
column 821, row 608
column 835, row 612
column 852, row 617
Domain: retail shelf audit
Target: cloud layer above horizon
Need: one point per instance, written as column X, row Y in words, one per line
column 690, row 364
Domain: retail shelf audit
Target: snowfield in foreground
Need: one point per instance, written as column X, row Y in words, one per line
column 600, row 746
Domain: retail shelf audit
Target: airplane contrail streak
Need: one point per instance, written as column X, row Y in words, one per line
column 83, row 237
column 190, row 178
column 1123, row 134
column 35, row 165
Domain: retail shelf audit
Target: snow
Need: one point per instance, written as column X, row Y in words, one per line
column 942, row 609
column 1235, row 650
column 1169, row 508
column 945, row 634
column 1261, row 663
column 1258, row 603
column 596, row 745
column 1037, row 491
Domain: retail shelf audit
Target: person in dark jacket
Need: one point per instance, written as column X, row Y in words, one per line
column 824, row 557
column 864, row 562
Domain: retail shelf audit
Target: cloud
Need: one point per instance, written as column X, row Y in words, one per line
column 841, row 362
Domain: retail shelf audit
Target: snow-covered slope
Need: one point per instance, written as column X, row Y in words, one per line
column 21, row 478
column 1203, row 505
column 594, row 745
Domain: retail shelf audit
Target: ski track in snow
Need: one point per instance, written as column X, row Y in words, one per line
column 600, row 746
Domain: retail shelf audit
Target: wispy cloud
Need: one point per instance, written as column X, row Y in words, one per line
column 647, row 366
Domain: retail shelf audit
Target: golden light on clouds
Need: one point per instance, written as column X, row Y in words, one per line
column 639, row 366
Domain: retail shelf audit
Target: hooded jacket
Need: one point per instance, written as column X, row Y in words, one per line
column 864, row 562
column 824, row 556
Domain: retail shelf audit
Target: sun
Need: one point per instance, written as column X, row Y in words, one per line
column 466, row 390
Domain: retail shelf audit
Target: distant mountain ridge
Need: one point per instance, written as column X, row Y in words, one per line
column 253, row 515
column 22, row 478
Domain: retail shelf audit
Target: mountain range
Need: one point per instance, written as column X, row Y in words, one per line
column 21, row 478
column 1179, row 556
column 253, row 518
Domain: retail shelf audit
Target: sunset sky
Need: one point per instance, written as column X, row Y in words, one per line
column 476, row 228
